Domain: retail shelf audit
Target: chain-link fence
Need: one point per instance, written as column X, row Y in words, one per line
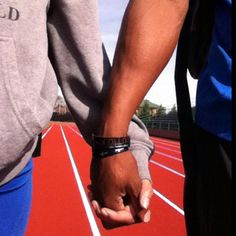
column 160, row 124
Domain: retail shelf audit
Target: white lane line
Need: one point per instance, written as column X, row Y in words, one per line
column 167, row 168
column 166, row 148
column 169, row 156
column 75, row 131
column 45, row 134
column 168, row 202
column 87, row 207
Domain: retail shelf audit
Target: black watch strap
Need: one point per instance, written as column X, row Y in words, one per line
column 109, row 146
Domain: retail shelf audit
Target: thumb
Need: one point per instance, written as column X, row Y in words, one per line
column 146, row 194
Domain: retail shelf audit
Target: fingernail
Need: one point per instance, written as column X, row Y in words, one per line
column 145, row 203
column 147, row 217
column 104, row 212
column 95, row 205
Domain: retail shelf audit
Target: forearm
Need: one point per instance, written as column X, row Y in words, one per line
column 83, row 71
column 148, row 37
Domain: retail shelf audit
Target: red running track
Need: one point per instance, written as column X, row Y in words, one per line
column 61, row 176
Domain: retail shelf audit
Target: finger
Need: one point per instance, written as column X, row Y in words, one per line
column 133, row 192
column 137, row 211
column 100, row 215
column 147, row 217
column 110, row 198
column 113, row 217
column 114, row 202
column 142, row 214
column 146, row 194
column 96, row 207
column 139, row 215
column 118, row 217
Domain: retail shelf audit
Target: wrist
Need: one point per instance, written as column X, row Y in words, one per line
column 106, row 146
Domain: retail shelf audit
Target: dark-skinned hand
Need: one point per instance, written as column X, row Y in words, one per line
column 119, row 195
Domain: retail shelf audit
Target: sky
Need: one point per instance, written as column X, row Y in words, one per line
column 163, row 90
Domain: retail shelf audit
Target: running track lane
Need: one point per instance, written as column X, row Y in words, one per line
column 57, row 205
column 169, row 161
column 173, row 190
column 177, row 196
column 155, row 227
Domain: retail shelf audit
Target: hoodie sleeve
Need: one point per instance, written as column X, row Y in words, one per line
column 82, row 67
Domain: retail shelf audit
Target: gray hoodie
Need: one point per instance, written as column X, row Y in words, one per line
column 42, row 44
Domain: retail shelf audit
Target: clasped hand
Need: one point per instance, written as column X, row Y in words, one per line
column 119, row 196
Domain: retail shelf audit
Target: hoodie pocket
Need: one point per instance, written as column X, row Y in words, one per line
column 18, row 125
